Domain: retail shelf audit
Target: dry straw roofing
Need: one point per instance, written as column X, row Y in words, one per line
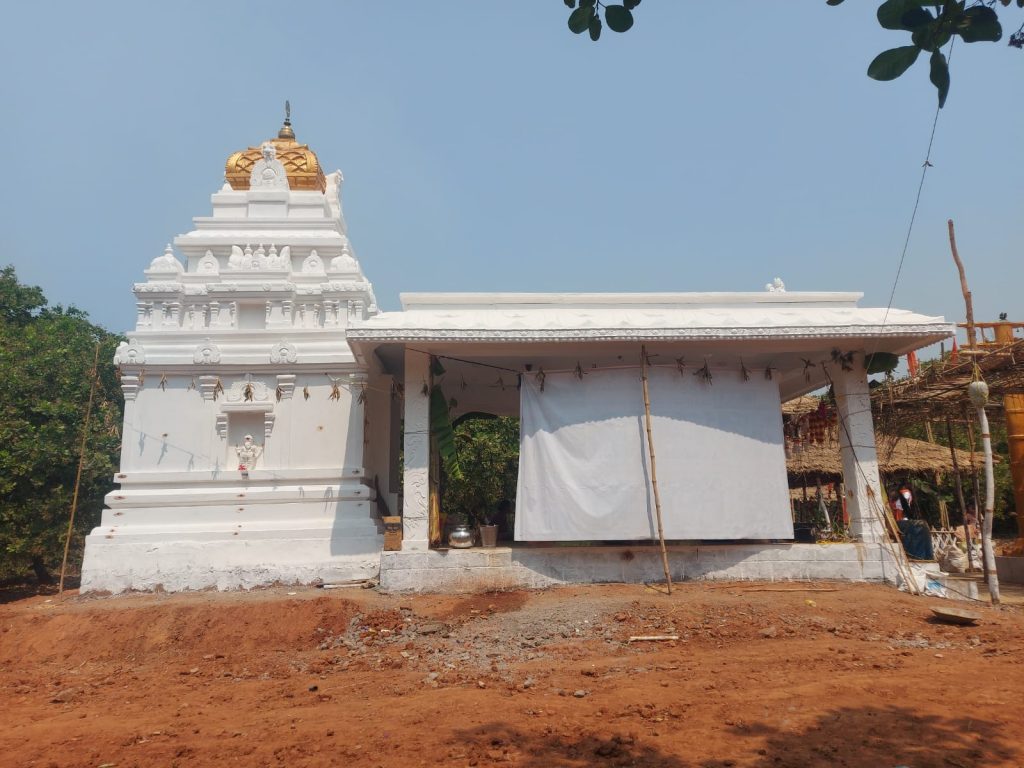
column 895, row 455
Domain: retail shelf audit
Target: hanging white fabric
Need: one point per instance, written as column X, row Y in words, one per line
column 584, row 468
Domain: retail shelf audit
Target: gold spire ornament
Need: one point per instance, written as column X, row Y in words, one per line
column 300, row 162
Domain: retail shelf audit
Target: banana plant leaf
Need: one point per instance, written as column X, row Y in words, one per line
column 441, row 429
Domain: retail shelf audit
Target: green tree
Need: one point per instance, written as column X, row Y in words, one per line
column 931, row 24
column 46, row 363
column 488, row 454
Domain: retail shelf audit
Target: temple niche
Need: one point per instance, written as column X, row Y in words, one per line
column 243, row 453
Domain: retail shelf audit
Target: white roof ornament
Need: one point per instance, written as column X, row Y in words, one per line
column 776, row 286
column 166, row 262
column 268, row 172
column 345, row 262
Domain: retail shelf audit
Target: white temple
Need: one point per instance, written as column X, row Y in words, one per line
column 247, row 337
column 266, row 398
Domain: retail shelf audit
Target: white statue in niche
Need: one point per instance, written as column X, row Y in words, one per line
column 248, row 452
column 269, row 172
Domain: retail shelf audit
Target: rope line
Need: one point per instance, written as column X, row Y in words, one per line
column 917, row 199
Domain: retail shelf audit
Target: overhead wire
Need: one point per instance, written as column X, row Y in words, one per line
column 917, row 198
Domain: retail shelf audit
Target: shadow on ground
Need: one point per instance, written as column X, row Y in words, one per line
column 864, row 737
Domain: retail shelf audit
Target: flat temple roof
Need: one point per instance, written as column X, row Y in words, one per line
column 586, row 317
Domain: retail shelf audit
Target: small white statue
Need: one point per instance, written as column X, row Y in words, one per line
column 268, row 172
column 248, row 452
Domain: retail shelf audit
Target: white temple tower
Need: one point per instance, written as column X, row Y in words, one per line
column 247, row 339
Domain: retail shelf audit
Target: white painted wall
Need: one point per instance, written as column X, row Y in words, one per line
column 184, row 516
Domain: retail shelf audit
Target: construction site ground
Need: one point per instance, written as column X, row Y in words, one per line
column 761, row 675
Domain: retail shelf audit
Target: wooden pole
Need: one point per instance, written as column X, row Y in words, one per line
column 963, row 285
column 943, row 512
column 979, row 513
column 988, row 556
column 654, row 465
column 959, row 493
column 78, row 475
column 990, row 505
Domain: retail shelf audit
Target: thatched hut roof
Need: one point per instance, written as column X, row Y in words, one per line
column 798, row 406
column 904, row 455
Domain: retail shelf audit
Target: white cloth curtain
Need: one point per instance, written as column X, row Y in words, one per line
column 584, row 467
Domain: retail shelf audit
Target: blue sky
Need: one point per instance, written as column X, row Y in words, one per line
column 485, row 147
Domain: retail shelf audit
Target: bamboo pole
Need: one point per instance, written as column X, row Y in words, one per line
column 81, row 464
column 943, row 511
column 896, row 548
column 979, row 512
column 988, row 556
column 963, row 285
column 959, row 493
column 990, row 505
column 654, row 465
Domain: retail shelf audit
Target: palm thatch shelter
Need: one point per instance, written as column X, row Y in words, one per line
column 896, row 456
column 899, row 456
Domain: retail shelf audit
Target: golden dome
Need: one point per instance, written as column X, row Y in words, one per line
column 299, row 161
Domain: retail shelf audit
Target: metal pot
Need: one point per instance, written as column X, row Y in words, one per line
column 488, row 536
column 461, row 537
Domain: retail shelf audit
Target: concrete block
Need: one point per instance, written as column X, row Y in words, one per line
column 404, row 560
column 1010, row 569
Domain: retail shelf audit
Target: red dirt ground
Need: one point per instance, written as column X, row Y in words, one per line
column 858, row 676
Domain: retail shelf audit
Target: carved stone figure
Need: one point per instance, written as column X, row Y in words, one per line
column 283, row 352
column 268, row 173
column 248, row 452
column 130, row 353
column 206, row 352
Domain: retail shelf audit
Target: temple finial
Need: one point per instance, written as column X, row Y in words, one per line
column 286, row 131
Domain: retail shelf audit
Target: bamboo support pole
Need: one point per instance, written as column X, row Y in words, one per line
column 959, row 493
column 979, row 511
column 654, row 466
column 943, row 511
column 990, row 504
column 895, row 545
column 963, row 285
column 988, row 555
column 81, row 464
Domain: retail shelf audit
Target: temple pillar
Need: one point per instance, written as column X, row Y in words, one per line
column 416, row 480
column 864, row 497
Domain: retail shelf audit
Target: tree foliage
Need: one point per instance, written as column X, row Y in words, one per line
column 931, row 24
column 488, row 453
column 46, row 363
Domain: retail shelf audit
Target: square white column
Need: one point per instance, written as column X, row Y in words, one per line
column 416, row 480
column 864, row 498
